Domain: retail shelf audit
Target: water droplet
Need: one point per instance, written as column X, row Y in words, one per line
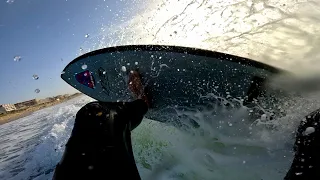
column 128, row 64
column 123, row 68
column 10, row 1
column 17, row 58
column 309, row 130
column 298, row 173
column 151, row 56
column 35, row 77
column 178, row 69
column 160, row 57
column 243, row 162
column 63, row 72
column 90, row 167
column 184, row 70
column 87, row 35
column 37, row 90
column 104, row 72
column 136, row 63
column 230, row 124
column 263, row 117
column 83, row 154
column 84, row 66
column 81, row 49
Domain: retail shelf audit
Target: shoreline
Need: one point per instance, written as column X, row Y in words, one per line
column 26, row 112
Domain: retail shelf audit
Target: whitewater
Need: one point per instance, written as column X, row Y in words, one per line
column 225, row 146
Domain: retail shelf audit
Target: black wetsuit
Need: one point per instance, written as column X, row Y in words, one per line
column 100, row 143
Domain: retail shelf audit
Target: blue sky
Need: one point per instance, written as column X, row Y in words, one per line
column 43, row 32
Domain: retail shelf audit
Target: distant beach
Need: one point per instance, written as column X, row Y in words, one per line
column 11, row 116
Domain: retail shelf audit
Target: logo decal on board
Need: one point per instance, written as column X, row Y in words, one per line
column 86, row 79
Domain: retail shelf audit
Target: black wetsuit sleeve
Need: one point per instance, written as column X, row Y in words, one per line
column 306, row 162
column 100, row 142
column 134, row 111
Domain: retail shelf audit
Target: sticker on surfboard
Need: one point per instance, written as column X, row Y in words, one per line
column 86, row 78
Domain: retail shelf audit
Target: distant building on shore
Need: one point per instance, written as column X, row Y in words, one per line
column 7, row 108
column 26, row 103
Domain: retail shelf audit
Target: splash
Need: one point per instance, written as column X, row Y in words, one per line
column 17, row 58
column 10, row 1
column 84, row 66
column 35, row 77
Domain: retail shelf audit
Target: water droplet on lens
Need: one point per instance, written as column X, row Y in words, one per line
column 136, row 63
column 104, row 72
column 37, row 90
column 123, row 68
column 87, row 35
column 84, row 66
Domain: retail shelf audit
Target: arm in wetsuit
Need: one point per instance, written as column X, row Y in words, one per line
column 100, row 143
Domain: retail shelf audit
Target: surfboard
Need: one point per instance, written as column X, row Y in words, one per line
column 175, row 76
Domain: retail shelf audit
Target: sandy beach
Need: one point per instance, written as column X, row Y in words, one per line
column 11, row 116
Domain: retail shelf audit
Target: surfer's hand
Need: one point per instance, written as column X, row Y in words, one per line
column 136, row 87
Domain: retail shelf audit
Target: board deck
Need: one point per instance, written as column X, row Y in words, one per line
column 175, row 76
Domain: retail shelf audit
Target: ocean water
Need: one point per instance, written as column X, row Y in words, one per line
column 226, row 146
